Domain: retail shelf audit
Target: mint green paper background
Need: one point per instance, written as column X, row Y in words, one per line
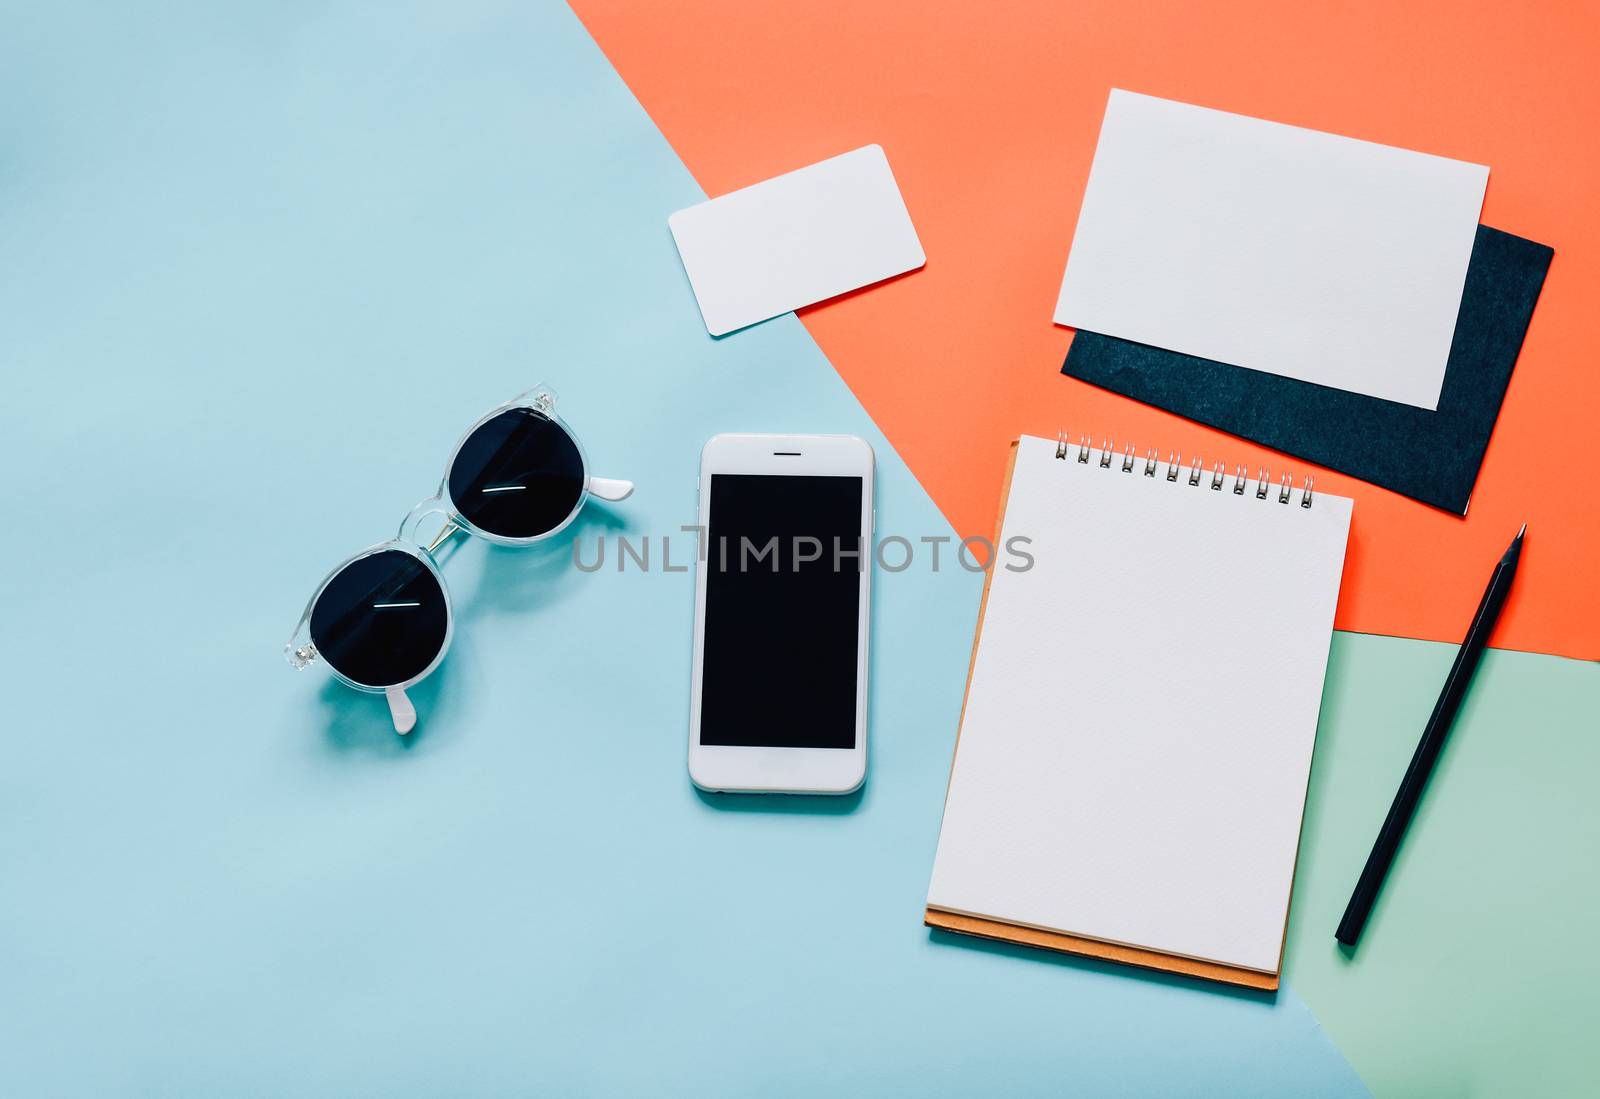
column 259, row 266
column 1478, row 971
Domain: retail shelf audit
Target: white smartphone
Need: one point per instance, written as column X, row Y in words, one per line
column 779, row 692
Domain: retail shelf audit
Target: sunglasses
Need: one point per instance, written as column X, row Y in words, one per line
column 382, row 621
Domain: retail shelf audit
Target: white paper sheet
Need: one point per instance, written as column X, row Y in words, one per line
column 1272, row 247
column 796, row 239
column 1137, row 737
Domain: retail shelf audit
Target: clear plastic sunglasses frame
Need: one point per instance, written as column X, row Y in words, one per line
column 302, row 653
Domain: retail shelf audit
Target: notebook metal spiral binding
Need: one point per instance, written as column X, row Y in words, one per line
column 1065, row 449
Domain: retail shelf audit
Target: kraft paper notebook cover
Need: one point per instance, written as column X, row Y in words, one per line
column 1131, row 768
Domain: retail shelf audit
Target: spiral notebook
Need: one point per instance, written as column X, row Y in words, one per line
column 1131, row 768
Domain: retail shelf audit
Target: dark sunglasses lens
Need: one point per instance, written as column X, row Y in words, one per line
column 381, row 620
column 519, row 475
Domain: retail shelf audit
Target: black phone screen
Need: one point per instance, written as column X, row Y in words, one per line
column 784, row 567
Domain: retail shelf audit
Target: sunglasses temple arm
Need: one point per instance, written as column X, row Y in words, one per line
column 401, row 711
column 609, row 488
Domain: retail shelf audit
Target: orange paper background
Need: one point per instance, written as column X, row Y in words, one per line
column 989, row 113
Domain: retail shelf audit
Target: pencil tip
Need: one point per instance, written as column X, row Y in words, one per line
column 1514, row 550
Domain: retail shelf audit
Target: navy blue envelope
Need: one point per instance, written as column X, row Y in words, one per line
column 1429, row 456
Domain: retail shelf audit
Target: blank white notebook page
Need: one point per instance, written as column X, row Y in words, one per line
column 1272, row 247
column 1136, row 743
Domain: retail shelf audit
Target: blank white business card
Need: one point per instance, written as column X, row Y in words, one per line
column 796, row 239
column 1272, row 247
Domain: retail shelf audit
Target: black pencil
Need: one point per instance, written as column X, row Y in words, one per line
column 1444, row 712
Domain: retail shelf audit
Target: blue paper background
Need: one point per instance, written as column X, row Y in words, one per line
column 259, row 265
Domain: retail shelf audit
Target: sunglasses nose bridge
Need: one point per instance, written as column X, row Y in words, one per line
column 417, row 531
